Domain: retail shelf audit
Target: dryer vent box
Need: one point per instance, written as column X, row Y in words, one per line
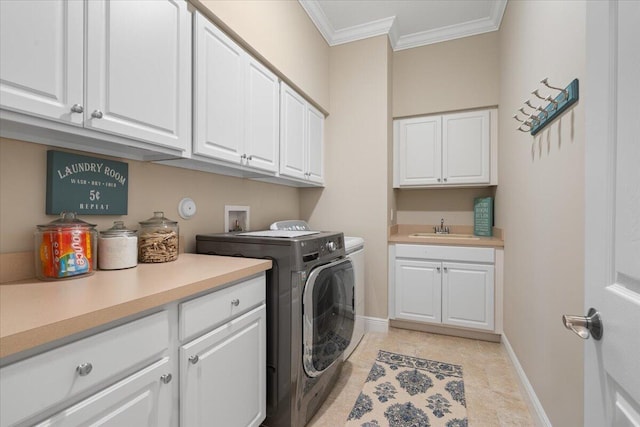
column 236, row 218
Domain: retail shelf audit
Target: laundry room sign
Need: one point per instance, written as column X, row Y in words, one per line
column 86, row 185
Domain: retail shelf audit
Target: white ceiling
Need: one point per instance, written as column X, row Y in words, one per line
column 409, row 23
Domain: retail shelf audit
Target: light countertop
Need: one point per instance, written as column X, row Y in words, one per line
column 34, row 312
column 401, row 233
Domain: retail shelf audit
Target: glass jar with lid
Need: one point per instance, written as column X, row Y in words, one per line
column 117, row 248
column 158, row 239
column 65, row 248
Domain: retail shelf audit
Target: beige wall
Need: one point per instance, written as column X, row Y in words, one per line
column 356, row 145
column 151, row 187
column 280, row 32
column 453, row 75
column 540, row 203
column 455, row 206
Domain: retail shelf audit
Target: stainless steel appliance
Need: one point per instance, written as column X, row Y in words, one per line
column 310, row 314
column 354, row 250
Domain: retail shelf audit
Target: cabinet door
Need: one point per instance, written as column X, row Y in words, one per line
column 219, row 93
column 262, row 117
column 466, row 148
column 315, row 139
column 143, row 399
column 41, row 58
column 293, row 132
column 139, row 70
column 419, row 152
column 467, row 295
column 223, row 375
column 418, row 290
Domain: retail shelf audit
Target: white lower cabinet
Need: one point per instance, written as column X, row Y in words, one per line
column 143, row 399
column 58, row 378
column 467, row 295
column 426, row 287
column 140, row 373
column 224, row 374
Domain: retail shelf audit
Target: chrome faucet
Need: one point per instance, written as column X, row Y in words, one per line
column 442, row 229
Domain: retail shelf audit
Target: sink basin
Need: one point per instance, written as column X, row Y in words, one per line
column 443, row 236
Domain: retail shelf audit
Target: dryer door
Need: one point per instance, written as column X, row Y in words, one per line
column 328, row 315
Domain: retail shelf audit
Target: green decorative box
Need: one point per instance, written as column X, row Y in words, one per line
column 483, row 216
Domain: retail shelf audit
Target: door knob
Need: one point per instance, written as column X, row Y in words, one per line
column 583, row 325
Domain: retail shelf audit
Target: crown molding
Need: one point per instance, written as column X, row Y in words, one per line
column 319, row 19
column 388, row 26
column 364, row 31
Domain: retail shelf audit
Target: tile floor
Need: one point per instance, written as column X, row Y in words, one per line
column 493, row 396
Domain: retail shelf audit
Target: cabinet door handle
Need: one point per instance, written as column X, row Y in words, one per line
column 438, row 269
column 166, row 378
column 445, row 180
column 77, row 108
column 235, row 302
column 84, row 369
column 439, row 180
column 194, row 359
column 97, row 114
column 446, row 269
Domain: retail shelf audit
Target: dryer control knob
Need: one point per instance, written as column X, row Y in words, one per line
column 331, row 246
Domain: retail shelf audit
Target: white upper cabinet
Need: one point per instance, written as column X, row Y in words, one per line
column 293, row 134
column 420, row 150
column 457, row 149
column 138, row 70
column 236, row 102
column 41, row 68
column 301, row 138
column 315, row 168
column 137, row 80
column 466, row 148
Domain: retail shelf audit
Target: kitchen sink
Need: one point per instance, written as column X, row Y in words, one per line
column 444, row 236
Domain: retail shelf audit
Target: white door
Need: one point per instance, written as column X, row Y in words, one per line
column 293, row 133
column 262, row 117
column 419, row 151
column 467, row 295
column 223, row 375
column 612, row 237
column 418, row 290
column 315, row 141
column 466, row 148
column 219, row 93
column 139, row 70
column 41, row 58
column 143, row 399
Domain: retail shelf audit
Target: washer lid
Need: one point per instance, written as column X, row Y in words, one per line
column 352, row 243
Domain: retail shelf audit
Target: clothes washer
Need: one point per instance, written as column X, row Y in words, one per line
column 310, row 314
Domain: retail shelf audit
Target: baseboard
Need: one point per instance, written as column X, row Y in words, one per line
column 376, row 324
column 535, row 407
column 444, row 330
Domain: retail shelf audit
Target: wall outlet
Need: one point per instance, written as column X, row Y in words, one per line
column 236, row 218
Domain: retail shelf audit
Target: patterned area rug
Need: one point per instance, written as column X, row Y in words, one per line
column 405, row 391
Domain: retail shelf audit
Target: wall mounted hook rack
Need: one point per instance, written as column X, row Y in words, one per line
column 555, row 106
